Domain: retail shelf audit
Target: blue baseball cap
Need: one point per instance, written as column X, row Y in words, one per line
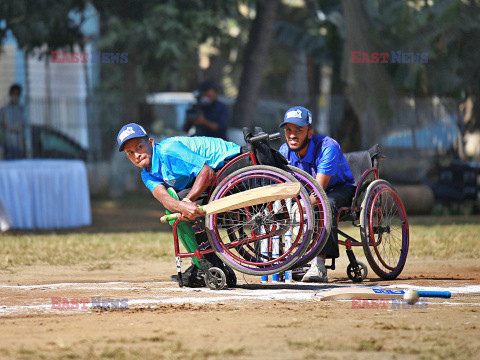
column 129, row 131
column 297, row 115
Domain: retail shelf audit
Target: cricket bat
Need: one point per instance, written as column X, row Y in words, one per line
column 347, row 293
column 246, row 198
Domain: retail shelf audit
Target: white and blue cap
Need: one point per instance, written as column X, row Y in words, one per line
column 297, row 115
column 129, row 131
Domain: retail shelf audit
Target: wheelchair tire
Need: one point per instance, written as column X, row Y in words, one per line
column 384, row 230
column 216, row 280
column 357, row 276
column 237, row 236
column 322, row 214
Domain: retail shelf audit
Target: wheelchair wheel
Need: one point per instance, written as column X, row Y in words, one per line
column 250, row 239
column 216, row 280
column 321, row 212
column 384, row 230
column 357, row 275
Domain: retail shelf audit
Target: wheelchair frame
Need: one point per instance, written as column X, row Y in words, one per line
column 356, row 271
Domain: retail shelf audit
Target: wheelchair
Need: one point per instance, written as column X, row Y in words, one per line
column 378, row 212
column 264, row 239
column 285, row 235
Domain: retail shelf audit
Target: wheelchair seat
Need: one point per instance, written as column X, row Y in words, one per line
column 360, row 161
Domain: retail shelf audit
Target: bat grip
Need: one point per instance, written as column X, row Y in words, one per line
column 173, row 217
column 434, row 294
column 169, row 217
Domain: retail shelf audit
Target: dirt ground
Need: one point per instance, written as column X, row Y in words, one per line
column 253, row 321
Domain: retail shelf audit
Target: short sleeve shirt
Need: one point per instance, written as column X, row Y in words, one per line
column 176, row 161
column 324, row 156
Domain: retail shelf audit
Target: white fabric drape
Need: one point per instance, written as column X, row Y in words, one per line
column 45, row 194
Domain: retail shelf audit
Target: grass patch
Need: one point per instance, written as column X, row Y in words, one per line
column 315, row 344
column 292, row 324
column 443, row 238
column 100, row 266
column 370, row 345
column 129, row 229
column 436, row 236
column 154, row 339
column 99, row 249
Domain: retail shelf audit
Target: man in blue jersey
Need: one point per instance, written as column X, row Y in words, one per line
column 322, row 157
column 187, row 164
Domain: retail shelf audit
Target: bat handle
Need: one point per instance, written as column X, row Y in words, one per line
column 434, row 294
column 173, row 217
column 169, row 217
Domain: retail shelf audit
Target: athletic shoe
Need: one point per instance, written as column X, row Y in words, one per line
column 317, row 273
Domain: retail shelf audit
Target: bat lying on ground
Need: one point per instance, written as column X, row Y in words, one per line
column 246, row 198
column 373, row 293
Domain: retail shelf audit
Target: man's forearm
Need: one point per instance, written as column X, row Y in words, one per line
column 204, row 179
column 162, row 195
column 188, row 210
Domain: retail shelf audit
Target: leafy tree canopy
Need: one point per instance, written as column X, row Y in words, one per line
column 43, row 22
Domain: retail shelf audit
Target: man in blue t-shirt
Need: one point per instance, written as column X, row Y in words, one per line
column 321, row 157
column 188, row 165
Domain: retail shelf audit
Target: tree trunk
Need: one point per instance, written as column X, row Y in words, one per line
column 369, row 88
column 254, row 61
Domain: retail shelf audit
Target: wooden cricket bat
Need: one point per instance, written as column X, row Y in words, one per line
column 246, row 198
column 347, row 293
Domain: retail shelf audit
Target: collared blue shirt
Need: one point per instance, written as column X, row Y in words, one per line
column 176, row 161
column 324, row 156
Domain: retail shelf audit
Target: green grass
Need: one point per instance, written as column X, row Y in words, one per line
column 76, row 248
column 432, row 236
column 445, row 237
column 437, row 236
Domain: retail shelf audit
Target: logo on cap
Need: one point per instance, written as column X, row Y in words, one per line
column 294, row 113
column 128, row 131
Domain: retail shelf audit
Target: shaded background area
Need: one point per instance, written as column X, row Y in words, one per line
column 265, row 56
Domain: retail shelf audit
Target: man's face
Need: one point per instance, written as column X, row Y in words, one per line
column 139, row 152
column 297, row 137
column 209, row 96
column 15, row 96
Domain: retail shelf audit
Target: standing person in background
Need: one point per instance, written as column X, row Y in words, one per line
column 321, row 157
column 13, row 125
column 211, row 119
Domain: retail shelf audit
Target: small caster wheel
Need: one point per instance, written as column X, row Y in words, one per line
column 357, row 275
column 215, row 278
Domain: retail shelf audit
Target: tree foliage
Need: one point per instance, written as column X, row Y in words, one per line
column 34, row 24
column 447, row 30
column 163, row 36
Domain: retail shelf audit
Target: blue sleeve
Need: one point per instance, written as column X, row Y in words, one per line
column 284, row 150
column 180, row 165
column 150, row 181
column 327, row 163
